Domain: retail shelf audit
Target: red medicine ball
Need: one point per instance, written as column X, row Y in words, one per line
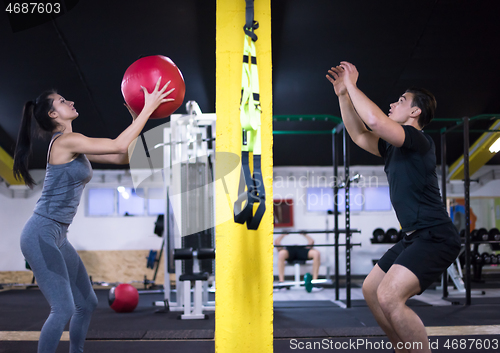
column 145, row 72
column 123, row 298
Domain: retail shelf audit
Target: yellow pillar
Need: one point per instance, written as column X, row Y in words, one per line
column 244, row 260
column 6, row 168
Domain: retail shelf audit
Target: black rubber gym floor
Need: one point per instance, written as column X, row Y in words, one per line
column 296, row 324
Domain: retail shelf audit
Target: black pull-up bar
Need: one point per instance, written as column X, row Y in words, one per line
column 315, row 245
column 318, row 231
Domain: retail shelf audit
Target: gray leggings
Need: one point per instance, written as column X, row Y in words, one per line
column 63, row 280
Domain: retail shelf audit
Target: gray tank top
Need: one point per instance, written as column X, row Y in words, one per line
column 63, row 187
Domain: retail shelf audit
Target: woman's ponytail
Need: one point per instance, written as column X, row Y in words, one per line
column 23, row 147
column 38, row 110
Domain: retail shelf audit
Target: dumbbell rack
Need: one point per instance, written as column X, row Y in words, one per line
column 478, row 237
column 456, row 274
column 478, row 267
column 391, row 236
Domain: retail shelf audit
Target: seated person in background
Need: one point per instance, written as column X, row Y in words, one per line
column 292, row 253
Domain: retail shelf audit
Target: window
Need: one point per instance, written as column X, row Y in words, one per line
column 356, row 199
column 101, row 202
column 361, row 199
column 125, row 201
column 129, row 202
column 319, row 199
column 156, row 201
column 377, row 199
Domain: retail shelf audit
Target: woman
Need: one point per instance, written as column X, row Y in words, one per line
column 59, row 271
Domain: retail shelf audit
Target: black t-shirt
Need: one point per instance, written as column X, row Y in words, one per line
column 413, row 184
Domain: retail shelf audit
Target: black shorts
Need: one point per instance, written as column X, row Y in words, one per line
column 297, row 253
column 427, row 253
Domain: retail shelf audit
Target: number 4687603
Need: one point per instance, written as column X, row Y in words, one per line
column 33, row 7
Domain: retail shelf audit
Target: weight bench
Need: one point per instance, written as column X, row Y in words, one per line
column 296, row 267
column 197, row 277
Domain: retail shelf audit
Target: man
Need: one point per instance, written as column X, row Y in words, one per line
column 431, row 242
column 292, row 253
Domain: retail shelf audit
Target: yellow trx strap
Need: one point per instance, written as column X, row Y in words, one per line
column 250, row 112
column 250, row 109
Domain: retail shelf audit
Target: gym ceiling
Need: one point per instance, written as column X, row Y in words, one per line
column 451, row 47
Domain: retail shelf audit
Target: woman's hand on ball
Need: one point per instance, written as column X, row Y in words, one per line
column 158, row 96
